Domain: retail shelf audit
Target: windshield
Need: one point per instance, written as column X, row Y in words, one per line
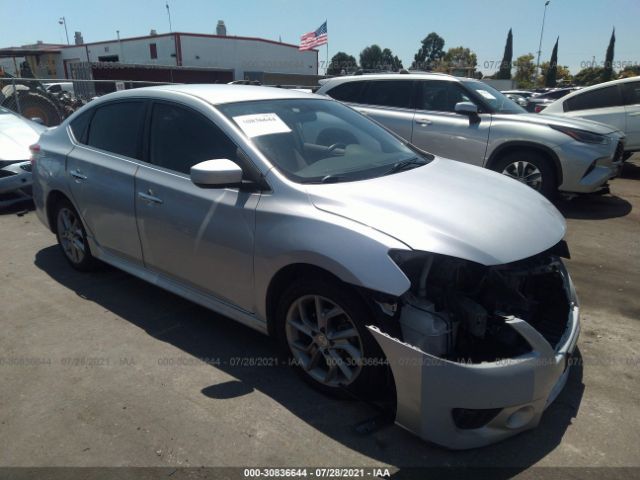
column 496, row 100
column 316, row 140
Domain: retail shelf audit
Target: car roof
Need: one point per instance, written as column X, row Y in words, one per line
column 597, row 86
column 216, row 94
column 396, row 76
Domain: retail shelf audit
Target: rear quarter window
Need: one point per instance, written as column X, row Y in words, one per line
column 80, row 126
column 347, row 92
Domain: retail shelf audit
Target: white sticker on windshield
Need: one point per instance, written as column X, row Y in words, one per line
column 258, row 124
column 486, row 94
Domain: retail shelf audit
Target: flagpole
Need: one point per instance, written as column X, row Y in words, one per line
column 326, row 68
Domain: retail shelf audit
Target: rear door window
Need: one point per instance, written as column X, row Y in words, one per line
column 117, row 128
column 599, row 98
column 388, row 93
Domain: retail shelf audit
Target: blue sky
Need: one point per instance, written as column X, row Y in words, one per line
column 584, row 26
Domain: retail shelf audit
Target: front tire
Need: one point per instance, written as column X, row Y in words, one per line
column 322, row 328
column 530, row 168
column 72, row 237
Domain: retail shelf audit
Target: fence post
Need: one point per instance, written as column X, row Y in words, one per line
column 15, row 93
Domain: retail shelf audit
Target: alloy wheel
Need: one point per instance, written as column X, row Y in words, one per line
column 71, row 236
column 524, row 172
column 324, row 340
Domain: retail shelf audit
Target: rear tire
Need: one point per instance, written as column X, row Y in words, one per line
column 72, row 237
column 332, row 350
column 33, row 104
column 530, row 168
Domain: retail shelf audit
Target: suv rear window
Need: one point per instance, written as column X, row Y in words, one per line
column 117, row 128
column 347, row 92
column 388, row 93
column 599, row 98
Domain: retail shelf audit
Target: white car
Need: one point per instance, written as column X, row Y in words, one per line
column 16, row 135
column 616, row 103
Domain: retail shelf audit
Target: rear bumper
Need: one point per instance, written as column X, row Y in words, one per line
column 518, row 390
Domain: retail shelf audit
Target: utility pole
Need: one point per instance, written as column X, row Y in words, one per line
column 541, row 32
column 63, row 21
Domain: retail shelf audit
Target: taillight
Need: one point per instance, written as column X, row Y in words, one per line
column 35, row 150
column 539, row 108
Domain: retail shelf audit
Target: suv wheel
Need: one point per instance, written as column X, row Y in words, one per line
column 322, row 328
column 72, row 237
column 530, row 168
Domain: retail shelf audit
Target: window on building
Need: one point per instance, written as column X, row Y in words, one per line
column 117, row 128
column 153, row 50
column 108, row 58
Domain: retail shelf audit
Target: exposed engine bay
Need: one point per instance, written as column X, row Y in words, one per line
column 457, row 309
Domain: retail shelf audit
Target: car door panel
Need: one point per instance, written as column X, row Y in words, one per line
column 200, row 236
column 399, row 121
column 100, row 173
column 102, row 188
column 632, row 114
column 438, row 129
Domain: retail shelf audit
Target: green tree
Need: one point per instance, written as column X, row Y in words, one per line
column 458, row 61
column 525, row 70
column 390, row 61
column 375, row 58
column 588, row 76
column 563, row 75
column 505, row 66
column 342, row 62
column 371, row 57
column 629, row 71
column 607, row 73
column 430, row 53
column 552, row 71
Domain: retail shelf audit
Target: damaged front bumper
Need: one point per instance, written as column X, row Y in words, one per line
column 462, row 406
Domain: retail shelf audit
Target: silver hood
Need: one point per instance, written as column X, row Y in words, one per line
column 450, row 208
column 548, row 119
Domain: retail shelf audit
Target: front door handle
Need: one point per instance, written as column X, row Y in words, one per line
column 149, row 197
column 423, row 121
column 77, row 174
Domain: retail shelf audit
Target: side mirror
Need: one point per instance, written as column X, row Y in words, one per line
column 216, row 173
column 466, row 108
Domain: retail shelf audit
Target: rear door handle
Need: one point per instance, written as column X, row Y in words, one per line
column 149, row 197
column 423, row 121
column 77, row 174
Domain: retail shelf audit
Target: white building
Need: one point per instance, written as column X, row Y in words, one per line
column 239, row 54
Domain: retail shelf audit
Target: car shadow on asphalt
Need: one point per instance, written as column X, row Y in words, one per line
column 594, row 207
column 203, row 334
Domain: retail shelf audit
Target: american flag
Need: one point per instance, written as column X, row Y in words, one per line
column 314, row 39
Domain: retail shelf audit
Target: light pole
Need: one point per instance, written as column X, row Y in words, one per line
column 541, row 32
column 63, row 21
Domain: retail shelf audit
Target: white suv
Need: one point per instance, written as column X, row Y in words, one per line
column 616, row 103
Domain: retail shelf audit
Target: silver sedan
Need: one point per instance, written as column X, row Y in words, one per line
column 384, row 272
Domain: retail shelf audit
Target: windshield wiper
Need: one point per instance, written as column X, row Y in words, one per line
column 407, row 164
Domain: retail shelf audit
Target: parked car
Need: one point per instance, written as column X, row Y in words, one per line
column 467, row 120
column 522, row 93
column 538, row 102
column 16, row 135
column 368, row 259
column 615, row 103
column 519, row 99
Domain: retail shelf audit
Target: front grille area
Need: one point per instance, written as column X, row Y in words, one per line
column 470, row 418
